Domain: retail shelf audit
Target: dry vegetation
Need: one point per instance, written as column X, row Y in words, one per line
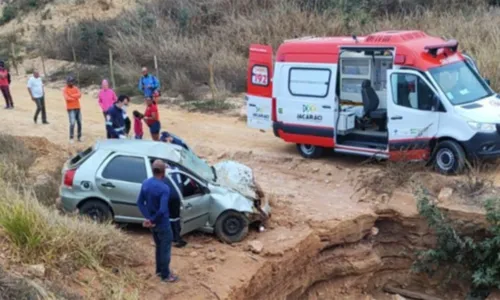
column 33, row 233
column 189, row 36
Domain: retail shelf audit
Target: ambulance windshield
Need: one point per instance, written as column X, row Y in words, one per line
column 460, row 83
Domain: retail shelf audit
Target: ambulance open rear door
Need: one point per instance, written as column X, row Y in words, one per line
column 260, row 106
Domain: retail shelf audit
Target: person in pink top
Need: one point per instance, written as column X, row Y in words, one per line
column 107, row 97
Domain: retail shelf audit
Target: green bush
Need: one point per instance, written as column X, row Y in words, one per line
column 9, row 13
column 472, row 258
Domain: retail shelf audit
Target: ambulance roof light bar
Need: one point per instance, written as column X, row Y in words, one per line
column 452, row 45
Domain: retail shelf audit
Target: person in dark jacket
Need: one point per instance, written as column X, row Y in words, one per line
column 174, row 207
column 115, row 123
column 153, row 203
column 169, row 138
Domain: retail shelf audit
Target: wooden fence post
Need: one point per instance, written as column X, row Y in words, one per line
column 156, row 68
column 43, row 66
column 14, row 57
column 111, row 69
column 76, row 65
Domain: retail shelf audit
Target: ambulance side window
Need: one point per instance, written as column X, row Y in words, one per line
column 411, row 91
column 309, row 82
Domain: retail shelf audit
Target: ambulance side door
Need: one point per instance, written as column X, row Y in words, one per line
column 413, row 112
column 260, row 87
column 306, row 102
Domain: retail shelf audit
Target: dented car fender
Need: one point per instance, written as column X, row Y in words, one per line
column 224, row 199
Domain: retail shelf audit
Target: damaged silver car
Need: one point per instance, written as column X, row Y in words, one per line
column 103, row 182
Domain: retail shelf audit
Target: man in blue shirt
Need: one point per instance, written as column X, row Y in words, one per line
column 153, row 204
column 115, row 122
column 149, row 84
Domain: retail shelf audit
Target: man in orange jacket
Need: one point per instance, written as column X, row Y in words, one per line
column 72, row 96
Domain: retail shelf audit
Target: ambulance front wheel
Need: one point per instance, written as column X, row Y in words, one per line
column 449, row 157
column 309, row 151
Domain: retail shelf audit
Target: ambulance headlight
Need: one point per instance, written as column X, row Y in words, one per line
column 483, row 127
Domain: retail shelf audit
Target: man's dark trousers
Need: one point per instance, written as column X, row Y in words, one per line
column 176, row 230
column 40, row 108
column 163, row 241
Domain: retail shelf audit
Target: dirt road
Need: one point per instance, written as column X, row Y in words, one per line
column 303, row 191
column 317, row 236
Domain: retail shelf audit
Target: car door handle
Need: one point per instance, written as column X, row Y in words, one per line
column 189, row 206
column 327, row 106
column 397, row 118
column 251, row 104
column 108, row 185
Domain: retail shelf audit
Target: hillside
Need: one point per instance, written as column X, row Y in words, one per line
column 199, row 42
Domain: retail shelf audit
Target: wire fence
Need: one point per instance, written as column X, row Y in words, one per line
column 83, row 72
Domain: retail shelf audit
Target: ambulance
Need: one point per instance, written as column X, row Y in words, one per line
column 398, row 95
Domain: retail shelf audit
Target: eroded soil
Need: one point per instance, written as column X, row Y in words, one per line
column 324, row 241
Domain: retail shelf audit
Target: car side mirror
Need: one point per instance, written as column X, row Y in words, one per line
column 488, row 82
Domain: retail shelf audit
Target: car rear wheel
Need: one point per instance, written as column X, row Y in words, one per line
column 96, row 210
column 309, row 151
column 231, row 227
column 449, row 158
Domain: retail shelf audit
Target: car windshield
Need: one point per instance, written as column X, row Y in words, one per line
column 460, row 83
column 197, row 165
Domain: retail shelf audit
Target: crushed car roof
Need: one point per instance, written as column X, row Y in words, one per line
column 142, row 147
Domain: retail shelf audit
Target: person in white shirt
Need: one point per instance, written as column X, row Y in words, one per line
column 37, row 93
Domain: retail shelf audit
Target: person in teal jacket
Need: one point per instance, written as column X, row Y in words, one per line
column 149, row 85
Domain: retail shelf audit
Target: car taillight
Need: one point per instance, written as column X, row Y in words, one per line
column 274, row 115
column 69, row 175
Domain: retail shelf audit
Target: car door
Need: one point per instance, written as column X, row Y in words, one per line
column 413, row 115
column 195, row 202
column 120, row 178
column 260, row 87
column 306, row 99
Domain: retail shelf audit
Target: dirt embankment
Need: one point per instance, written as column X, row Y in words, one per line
column 355, row 258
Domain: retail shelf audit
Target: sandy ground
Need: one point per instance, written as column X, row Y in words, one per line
column 314, row 203
column 309, row 191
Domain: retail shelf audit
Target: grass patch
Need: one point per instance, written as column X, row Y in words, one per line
column 16, row 8
column 38, row 234
column 188, row 35
column 208, row 105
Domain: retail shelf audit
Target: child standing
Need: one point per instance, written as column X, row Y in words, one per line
column 138, row 125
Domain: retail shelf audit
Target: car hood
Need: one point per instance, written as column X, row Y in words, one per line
column 483, row 111
column 238, row 177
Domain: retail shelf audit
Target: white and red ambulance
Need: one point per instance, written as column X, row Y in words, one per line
column 390, row 95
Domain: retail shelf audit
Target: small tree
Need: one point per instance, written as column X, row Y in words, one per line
column 474, row 259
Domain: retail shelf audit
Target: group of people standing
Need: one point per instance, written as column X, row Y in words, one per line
column 114, row 109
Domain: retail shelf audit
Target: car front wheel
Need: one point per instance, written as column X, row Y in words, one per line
column 231, row 227
column 449, row 158
column 96, row 210
column 309, row 151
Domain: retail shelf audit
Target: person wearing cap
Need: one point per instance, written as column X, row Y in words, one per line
column 115, row 122
column 149, row 85
column 153, row 202
column 168, row 138
column 4, row 86
column 72, row 96
column 37, row 94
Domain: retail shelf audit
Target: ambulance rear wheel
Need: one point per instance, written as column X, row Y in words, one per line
column 309, row 151
column 449, row 158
